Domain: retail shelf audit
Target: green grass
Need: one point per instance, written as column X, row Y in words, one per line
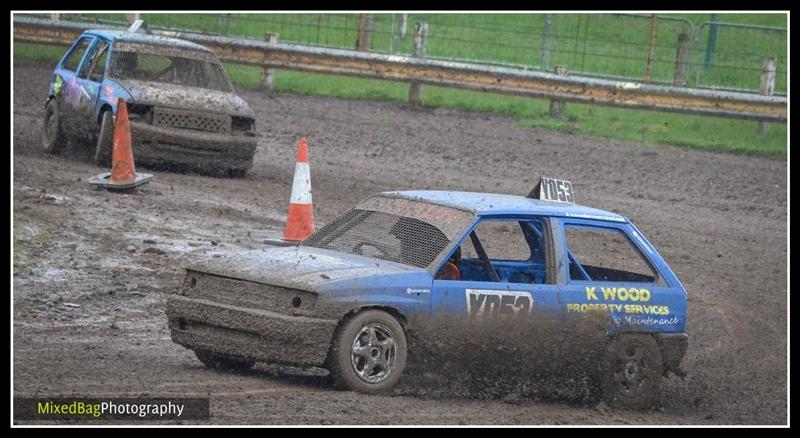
column 646, row 127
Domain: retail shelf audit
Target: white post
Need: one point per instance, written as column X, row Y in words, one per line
column 420, row 46
column 767, row 87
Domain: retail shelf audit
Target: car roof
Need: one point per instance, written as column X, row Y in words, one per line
column 120, row 35
column 485, row 204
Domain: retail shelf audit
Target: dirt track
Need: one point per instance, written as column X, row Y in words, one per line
column 718, row 219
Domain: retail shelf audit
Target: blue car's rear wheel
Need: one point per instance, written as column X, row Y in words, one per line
column 632, row 371
column 368, row 353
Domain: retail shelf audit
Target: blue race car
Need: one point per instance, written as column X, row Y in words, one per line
column 182, row 107
column 346, row 297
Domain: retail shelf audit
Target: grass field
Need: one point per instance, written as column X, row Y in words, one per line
column 454, row 41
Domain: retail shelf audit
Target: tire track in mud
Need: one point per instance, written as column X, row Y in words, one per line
column 719, row 219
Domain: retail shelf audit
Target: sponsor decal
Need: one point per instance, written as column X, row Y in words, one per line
column 72, row 92
column 495, row 303
column 57, row 84
column 109, row 93
column 412, row 291
column 619, row 300
column 650, row 321
column 594, row 216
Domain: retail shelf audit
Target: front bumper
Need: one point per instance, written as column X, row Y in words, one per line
column 195, row 149
column 673, row 349
column 253, row 334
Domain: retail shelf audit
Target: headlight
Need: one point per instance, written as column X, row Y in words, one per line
column 243, row 124
column 140, row 112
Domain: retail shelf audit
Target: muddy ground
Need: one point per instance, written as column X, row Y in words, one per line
column 718, row 219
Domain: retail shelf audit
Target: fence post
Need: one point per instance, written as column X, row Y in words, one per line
column 712, row 41
column 403, row 24
column 397, row 37
column 681, row 76
column 268, row 75
column 547, row 41
column 767, row 87
column 557, row 106
column 364, row 38
column 651, row 46
column 132, row 17
column 56, row 17
column 420, row 46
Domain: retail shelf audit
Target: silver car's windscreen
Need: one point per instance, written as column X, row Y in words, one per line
column 155, row 64
column 395, row 229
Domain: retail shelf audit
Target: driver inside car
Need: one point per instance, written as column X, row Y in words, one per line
column 451, row 268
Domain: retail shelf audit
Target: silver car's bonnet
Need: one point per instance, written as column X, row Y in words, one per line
column 176, row 96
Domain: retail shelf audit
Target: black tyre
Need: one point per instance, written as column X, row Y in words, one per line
column 53, row 138
column 368, row 353
column 105, row 140
column 215, row 361
column 632, row 371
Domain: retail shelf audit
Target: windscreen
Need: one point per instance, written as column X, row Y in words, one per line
column 395, row 229
column 153, row 63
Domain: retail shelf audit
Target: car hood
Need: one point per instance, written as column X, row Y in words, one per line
column 177, row 96
column 298, row 267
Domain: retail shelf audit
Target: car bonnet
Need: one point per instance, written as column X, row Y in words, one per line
column 297, row 267
column 177, row 96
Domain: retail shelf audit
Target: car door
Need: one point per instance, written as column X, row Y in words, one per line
column 90, row 79
column 501, row 271
column 609, row 268
column 64, row 85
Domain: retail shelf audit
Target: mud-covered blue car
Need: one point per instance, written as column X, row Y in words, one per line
column 182, row 107
column 347, row 296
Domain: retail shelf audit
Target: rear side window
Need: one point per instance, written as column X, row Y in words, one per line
column 605, row 254
column 74, row 58
column 502, row 240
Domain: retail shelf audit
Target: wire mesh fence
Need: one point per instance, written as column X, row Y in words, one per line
column 657, row 49
column 732, row 55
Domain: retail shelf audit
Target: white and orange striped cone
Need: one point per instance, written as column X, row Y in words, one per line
column 300, row 220
column 123, row 174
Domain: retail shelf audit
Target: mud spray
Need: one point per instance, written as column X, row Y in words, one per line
column 532, row 358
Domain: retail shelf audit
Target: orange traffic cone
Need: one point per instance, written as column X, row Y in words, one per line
column 123, row 172
column 300, row 221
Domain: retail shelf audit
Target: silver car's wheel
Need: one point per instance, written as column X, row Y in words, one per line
column 53, row 138
column 368, row 352
column 105, row 140
column 373, row 353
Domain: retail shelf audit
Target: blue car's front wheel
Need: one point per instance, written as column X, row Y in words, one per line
column 368, row 353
